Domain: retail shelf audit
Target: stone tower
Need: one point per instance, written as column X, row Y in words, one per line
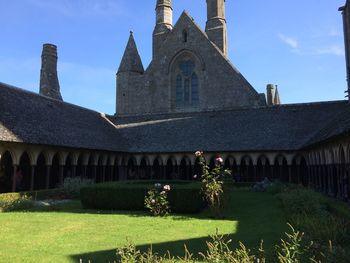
column 216, row 24
column 129, row 70
column 49, row 85
column 164, row 24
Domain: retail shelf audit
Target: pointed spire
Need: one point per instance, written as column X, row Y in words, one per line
column 276, row 99
column 131, row 61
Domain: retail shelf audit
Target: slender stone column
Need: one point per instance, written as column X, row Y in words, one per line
column 74, row 170
column 103, row 173
column 289, row 173
column 94, row 172
column 47, row 177
column 255, row 173
column 61, row 174
column 84, row 171
column 14, row 178
column 32, row 172
column 111, row 173
column 298, row 174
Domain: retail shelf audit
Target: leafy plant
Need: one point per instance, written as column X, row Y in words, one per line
column 156, row 200
column 212, row 183
column 15, row 202
column 72, row 186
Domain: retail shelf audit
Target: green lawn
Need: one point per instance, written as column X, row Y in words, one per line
column 73, row 233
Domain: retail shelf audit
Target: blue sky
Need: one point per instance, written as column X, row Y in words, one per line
column 296, row 44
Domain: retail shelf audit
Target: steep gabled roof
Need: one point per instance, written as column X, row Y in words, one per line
column 131, row 61
column 35, row 119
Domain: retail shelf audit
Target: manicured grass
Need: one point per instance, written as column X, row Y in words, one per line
column 72, row 233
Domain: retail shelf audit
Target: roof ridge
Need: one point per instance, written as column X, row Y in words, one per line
column 32, row 93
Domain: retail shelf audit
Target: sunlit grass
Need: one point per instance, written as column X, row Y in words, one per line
column 73, row 233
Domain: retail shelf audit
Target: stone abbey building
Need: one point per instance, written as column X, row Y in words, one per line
column 189, row 98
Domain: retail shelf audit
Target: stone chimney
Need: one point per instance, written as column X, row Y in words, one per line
column 270, row 94
column 49, row 85
column 216, row 24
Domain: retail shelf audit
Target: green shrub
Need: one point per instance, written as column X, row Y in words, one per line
column 57, row 193
column 299, row 201
column 183, row 198
column 14, row 202
column 276, row 187
column 336, row 254
column 72, row 186
column 322, row 218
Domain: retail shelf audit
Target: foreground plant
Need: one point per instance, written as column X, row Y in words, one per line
column 212, row 183
column 156, row 200
column 219, row 250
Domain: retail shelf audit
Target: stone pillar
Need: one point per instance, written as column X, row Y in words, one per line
column 289, row 173
column 47, row 177
column 14, row 178
column 94, row 174
column 238, row 173
column 61, row 175
column 298, row 174
column 103, row 173
column 84, row 167
column 255, row 173
column 32, row 172
column 111, row 173
column 74, row 170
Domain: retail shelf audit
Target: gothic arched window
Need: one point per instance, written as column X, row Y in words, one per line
column 187, row 85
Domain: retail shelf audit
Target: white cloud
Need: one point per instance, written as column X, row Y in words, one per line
column 290, row 41
column 331, row 50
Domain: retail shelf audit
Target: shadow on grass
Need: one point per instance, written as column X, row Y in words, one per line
column 259, row 217
column 176, row 249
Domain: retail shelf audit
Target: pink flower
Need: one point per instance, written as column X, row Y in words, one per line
column 219, row 160
column 166, row 187
column 195, row 176
column 198, row 153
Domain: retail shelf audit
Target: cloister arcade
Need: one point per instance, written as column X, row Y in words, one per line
column 24, row 167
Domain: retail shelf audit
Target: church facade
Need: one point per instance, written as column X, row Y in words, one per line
column 189, row 98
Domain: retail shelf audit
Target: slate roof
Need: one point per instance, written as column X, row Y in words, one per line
column 36, row 119
column 273, row 128
column 338, row 126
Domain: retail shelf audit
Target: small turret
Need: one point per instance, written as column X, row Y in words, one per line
column 276, row 99
column 216, row 24
column 270, row 93
column 129, row 70
column 49, row 85
column 164, row 23
column 131, row 61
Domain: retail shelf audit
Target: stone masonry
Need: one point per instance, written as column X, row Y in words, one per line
column 215, row 85
column 49, row 85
